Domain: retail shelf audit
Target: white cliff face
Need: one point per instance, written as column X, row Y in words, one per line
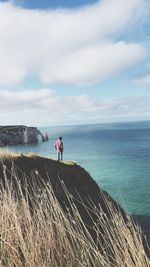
column 25, row 136
column 19, row 134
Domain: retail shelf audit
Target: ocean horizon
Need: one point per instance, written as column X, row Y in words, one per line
column 117, row 156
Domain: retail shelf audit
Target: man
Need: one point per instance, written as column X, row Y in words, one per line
column 59, row 148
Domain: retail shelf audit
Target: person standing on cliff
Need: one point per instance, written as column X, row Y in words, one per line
column 59, row 148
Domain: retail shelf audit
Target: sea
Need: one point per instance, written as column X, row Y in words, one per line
column 117, row 156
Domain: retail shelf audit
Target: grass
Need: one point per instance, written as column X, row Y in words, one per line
column 7, row 154
column 70, row 162
column 48, row 237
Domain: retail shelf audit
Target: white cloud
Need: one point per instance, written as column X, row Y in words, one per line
column 45, row 107
column 112, row 109
column 29, row 99
column 143, row 80
column 95, row 63
column 66, row 46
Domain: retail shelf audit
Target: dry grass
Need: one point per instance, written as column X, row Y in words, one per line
column 47, row 237
column 7, row 154
column 70, row 162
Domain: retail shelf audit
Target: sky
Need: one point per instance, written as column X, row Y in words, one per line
column 68, row 62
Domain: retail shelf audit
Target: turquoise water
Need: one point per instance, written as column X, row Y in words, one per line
column 116, row 155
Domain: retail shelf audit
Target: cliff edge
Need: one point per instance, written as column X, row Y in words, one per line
column 35, row 172
column 54, row 214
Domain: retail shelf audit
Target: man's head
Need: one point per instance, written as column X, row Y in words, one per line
column 60, row 138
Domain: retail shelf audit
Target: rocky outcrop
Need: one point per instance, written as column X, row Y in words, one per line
column 19, row 134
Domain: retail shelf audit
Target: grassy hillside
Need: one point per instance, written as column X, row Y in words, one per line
column 54, row 215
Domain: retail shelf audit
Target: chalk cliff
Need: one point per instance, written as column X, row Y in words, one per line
column 19, row 134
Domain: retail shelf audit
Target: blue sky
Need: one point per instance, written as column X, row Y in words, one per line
column 74, row 62
column 38, row 4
